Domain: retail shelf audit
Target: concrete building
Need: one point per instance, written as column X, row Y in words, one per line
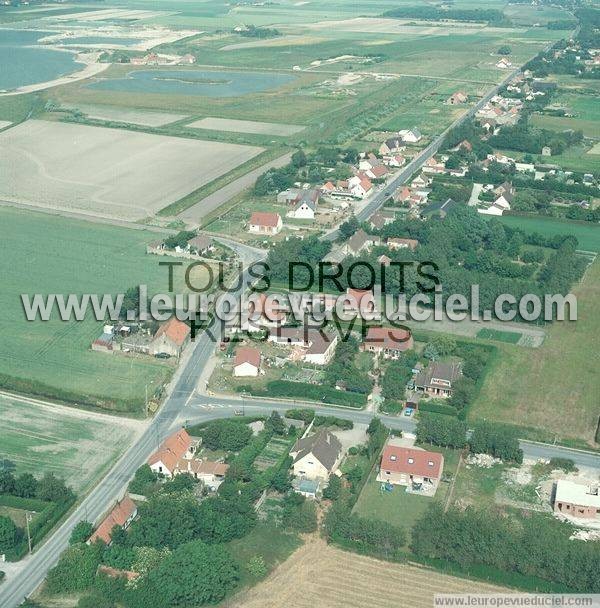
column 577, row 500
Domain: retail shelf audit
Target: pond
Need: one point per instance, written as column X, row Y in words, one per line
column 194, row 82
column 25, row 62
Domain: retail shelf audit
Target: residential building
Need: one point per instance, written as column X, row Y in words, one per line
column 437, row 379
column 321, row 347
column 171, row 338
column 439, row 208
column 265, row 223
column 546, row 151
column 210, row 473
column 410, row 135
column 247, row 362
column 361, row 302
column 456, row 98
column 577, row 500
column 380, row 219
column 391, row 145
column 201, row 244
column 390, row 342
column 419, row 470
column 359, row 186
column 504, row 64
column 360, row 241
column 316, row 456
column 122, row 515
column 176, row 448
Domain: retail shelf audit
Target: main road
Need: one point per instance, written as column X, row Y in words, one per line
column 380, row 197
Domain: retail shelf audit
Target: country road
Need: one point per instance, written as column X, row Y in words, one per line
column 378, row 199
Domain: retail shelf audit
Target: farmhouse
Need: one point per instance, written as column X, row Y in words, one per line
column 456, row 98
column 391, row 145
column 246, row 362
column 171, row 338
column 415, row 468
column 265, row 223
column 359, row 241
column 379, row 219
column 577, row 500
column 321, row 348
column 317, row 456
column 122, row 515
column 390, row 342
column 105, row 342
column 177, row 447
column 410, row 135
column 504, row 64
column 438, row 379
column 200, row 244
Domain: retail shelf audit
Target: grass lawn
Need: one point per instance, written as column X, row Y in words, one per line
column 499, row 336
column 53, row 358
column 273, row 452
column 587, row 233
column 71, row 444
column 266, row 540
column 398, row 507
column 556, row 388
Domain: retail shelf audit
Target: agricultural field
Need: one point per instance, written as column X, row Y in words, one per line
column 318, row 574
column 128, row 115
column 104, row 172
column 587, row 233
column 53, row 358
column 246, row 126
column 73, row 444
column 557, row 390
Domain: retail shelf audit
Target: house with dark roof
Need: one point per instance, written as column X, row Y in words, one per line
column 316, row 456
column 438, row 379
column 417, row 469
column 360, row 241
column 440, row 208
column 393, row 144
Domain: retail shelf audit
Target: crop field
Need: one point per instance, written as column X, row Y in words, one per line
column 72, row 444
column 587, row 233
column 128, row 115
column 318, row 574
column 53, row 358
column 105, row 172
column 246, row 126
column 557, row 390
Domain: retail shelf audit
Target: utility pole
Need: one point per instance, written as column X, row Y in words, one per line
column 28, row 518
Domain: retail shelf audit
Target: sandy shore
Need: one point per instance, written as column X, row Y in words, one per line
column 89, row 70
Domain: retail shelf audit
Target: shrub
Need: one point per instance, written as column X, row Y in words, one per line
column 437, row 407
column 566, row 464
column 81, row 532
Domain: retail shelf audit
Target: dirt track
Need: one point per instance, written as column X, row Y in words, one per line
column 320, row 576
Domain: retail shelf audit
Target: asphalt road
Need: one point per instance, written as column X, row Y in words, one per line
column 418, row 161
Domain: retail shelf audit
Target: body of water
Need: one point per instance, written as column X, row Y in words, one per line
column 100, row 40
column 194, row 82
column 24, row 63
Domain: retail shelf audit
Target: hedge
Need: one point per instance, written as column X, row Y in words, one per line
column 25, row 504
column 597, row 438
column 437, row 408
column 311, row 392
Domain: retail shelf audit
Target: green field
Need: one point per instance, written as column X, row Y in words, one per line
column 66, row 256
column 72, row 444
column 557, row 389
column 499, row 336
column 587, row 233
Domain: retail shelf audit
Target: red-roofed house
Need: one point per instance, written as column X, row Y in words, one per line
column 456, row 98
column 178, row 446
column 122, row 515
column 265, row 223
column 246, row 362
column 171, row 338
column 418, row 469
column 361, row 302
column 390, row 342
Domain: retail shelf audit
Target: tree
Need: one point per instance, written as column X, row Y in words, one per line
column 504, row 50
column 7, row 482
column 227, row 435
column 144, row 481
column 441, row 430
column 25, row 486
column 180, row 483
column 275, row 424
column 333, row 489
column 349, row 227
column 256, row 566
column 497, row 440
column 81, row 532
column 10, row 535
column 76, row 569
column 53, row 489
column 299, row 159
column 193, row 575
column 119, row 557
column 299, row 514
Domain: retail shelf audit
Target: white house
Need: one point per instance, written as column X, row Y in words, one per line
column 177, row 447
column 316, row 456
column 321, row 348
column 410, row 135
column 265, row 223
column 360, row 186
column 247, row 362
